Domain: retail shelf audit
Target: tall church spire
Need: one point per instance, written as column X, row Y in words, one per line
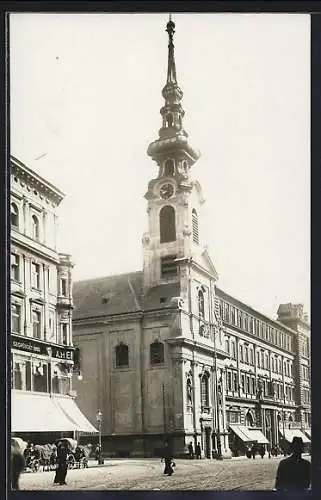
column 172, row 134
column 171, row 69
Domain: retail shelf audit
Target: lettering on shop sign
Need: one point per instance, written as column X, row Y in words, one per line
column 35, row 347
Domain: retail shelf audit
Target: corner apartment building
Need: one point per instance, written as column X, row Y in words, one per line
column 42, row 353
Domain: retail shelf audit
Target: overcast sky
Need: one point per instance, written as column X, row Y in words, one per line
column 85, row 100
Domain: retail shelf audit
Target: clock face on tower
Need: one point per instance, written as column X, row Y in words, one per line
column 166, row 191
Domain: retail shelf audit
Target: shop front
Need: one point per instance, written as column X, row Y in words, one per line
column 287, row 436
column 43, row 406
column 243, row 438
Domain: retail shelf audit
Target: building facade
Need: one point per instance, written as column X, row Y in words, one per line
column 42, row 353
column 164, row 352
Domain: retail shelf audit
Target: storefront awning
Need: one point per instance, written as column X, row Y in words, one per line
column 32, row 412
column 307, row 432
column 69, row 407
column 258, row 436
column 243, row 433
column 289, row 434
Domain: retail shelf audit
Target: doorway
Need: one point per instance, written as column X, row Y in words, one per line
column 208, row 446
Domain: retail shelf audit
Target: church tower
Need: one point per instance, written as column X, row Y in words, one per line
column 174, row 198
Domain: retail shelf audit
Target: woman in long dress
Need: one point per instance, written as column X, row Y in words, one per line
column 62, row 467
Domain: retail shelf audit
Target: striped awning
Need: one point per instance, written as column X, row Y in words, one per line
column 31, row 412
column 243, row 433
column 258, row 436
column 289, row 434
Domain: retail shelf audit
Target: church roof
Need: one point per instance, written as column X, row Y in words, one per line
column 118, row 294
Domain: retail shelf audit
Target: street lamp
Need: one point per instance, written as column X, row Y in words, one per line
column 164, row 413
column 217, row 400
column 99, row 418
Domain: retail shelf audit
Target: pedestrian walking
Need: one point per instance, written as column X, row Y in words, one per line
column 294, row 472
column 168, row 458
column 269, row 450
column 191, row 450
column 62, row 467
column 262, row 451
column 17, row 465
column 253, row 451
column 198, row 451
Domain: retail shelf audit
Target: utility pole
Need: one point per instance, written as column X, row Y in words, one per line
column 217, row 402
column 164, row 412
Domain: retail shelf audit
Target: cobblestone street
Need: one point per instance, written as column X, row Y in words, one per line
column 147, row 474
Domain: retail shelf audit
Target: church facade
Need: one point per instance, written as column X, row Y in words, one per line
column 166, row 354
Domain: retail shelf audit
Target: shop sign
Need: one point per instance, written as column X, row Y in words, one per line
column 35, row 347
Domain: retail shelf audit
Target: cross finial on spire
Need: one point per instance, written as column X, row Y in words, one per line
column 170, row 28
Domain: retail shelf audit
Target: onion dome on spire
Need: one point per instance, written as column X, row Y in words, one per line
column 172, row 134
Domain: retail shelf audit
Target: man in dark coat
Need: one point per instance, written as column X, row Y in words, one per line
column 294, row 472
column 190, row 450
column 17, row 465
column 62, row 466
column 168, row 458
column 198, row 451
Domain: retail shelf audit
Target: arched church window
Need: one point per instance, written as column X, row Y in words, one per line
column 189, row 392
column 14, row 215
column 156, row 353
column 201, row 307
column 167, row 224
column 205, row 390
column 195, row 226
column 122, row 358
column 169, row 119
column 169, row 168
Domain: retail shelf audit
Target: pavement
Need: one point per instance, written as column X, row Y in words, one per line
column 147, row 474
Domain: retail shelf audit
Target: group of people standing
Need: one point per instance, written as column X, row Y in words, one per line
column 293, row 473
column 198, row 451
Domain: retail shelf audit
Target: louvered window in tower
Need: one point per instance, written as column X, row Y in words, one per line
column 168, row 266
column 167, row 224
column 195, row 226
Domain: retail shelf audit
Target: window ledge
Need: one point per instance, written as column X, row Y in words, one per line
column 157, row 365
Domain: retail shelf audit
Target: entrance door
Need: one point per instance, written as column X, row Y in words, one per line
column 208, row 447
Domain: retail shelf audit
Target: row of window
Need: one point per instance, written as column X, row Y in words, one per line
column 36, row 275
column 264, row 359
column 156, row 353
column 35, row 221
column 36, row 376
column 167, row 225
column 36, row 316
column 248, row 323
column 262, row 387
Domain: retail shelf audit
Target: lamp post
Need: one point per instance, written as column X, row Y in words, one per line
column 99, row 418
column 164, row 413
column 217, row 400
